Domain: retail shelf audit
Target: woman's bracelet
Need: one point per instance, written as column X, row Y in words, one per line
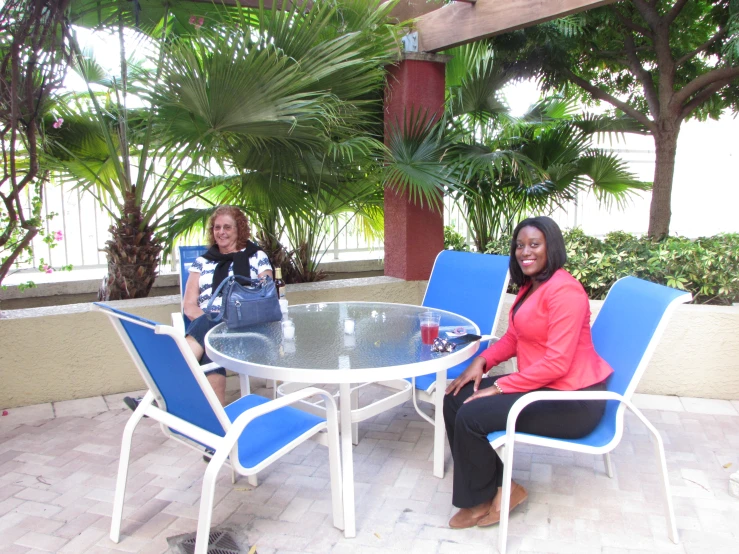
column 497, row 386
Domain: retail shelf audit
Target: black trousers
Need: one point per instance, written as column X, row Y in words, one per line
column 478, row 471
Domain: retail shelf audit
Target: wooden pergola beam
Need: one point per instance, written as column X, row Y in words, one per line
column 463, row 22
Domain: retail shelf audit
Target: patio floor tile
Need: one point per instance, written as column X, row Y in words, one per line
column 81, row 407
column 658, row 402
column 57, row 477
column 26, row 414
column 708, row 406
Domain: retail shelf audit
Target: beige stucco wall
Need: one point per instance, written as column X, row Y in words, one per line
column 67, row 352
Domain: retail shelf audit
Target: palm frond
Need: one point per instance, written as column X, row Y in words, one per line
column 415, row 163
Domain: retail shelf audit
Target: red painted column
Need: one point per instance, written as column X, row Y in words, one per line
column 414, row 235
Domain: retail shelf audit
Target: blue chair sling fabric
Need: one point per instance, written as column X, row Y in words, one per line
column 188, row 254
column 625, row 333
column 471, row 285
column 252, row 431
column 179, row 392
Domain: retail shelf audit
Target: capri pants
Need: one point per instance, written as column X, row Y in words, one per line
column 197, row 329
column 478, row 471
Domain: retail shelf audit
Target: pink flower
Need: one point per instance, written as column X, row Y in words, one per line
column 197, row 22
column 58, row 123
column 47, row 269
column 58, row 236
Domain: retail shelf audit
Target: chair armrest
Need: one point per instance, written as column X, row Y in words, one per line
column 537, row 396
column 178, row 322
column 240, row 423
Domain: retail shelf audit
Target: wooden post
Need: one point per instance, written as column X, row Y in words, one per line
column 414, row 235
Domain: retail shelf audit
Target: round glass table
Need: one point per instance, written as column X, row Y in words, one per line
column 343, row 343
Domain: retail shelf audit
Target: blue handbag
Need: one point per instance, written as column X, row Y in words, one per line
column 246, row 302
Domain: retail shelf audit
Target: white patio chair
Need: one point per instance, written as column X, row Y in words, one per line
column 250, row 433
column 626, row 332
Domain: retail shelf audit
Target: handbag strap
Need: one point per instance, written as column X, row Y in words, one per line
column 219, row 316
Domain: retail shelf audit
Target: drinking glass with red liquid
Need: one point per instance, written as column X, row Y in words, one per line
column 429, row 326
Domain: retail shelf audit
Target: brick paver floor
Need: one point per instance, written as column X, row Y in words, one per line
column 58, row 465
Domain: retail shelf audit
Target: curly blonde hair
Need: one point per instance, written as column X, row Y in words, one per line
column 242, row 225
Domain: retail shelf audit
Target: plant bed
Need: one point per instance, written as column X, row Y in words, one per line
column 708, row 267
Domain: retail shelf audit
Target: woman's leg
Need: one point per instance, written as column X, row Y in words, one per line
column 196, row 347
column 217, row 380
column 565, row 419
column 478, row 471
column 195, row 338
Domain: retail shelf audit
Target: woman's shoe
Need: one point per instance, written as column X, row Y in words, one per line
column 469, row 517
column 131, row 402
column 208, row 454
column 518, row 495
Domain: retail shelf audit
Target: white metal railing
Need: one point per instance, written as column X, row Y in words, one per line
column 85, row 229
column 85, row 226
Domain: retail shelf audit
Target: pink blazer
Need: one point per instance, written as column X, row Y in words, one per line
column 550, row 336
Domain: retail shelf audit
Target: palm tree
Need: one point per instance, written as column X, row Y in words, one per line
column 498, row 167
column 124, row 157
column 268, row 97
column 558, row 160
column 290, row 103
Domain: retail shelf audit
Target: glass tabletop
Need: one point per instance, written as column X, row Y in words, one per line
column 384, row 335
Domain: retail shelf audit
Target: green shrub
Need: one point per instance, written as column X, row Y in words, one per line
column 454, row 240
column 708, row 267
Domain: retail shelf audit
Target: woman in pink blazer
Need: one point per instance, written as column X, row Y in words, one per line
column 549, row 333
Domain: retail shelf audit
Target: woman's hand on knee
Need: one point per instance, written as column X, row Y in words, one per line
column 490, row 391
column 474, row 372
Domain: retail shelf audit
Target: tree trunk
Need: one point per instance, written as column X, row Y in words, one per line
column 133, row 257
column 665, row 142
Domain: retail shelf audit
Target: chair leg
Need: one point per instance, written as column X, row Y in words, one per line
column 120, row 484
column 207, row 495
column 505, row 506
column 609, row 464
column 253, row 480
column 659, row 450
column 334, row 464
column 669, row 512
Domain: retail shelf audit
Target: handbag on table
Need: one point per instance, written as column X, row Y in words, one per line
column 246, row 302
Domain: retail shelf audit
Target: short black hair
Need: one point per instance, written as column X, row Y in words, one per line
column 556, row 251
